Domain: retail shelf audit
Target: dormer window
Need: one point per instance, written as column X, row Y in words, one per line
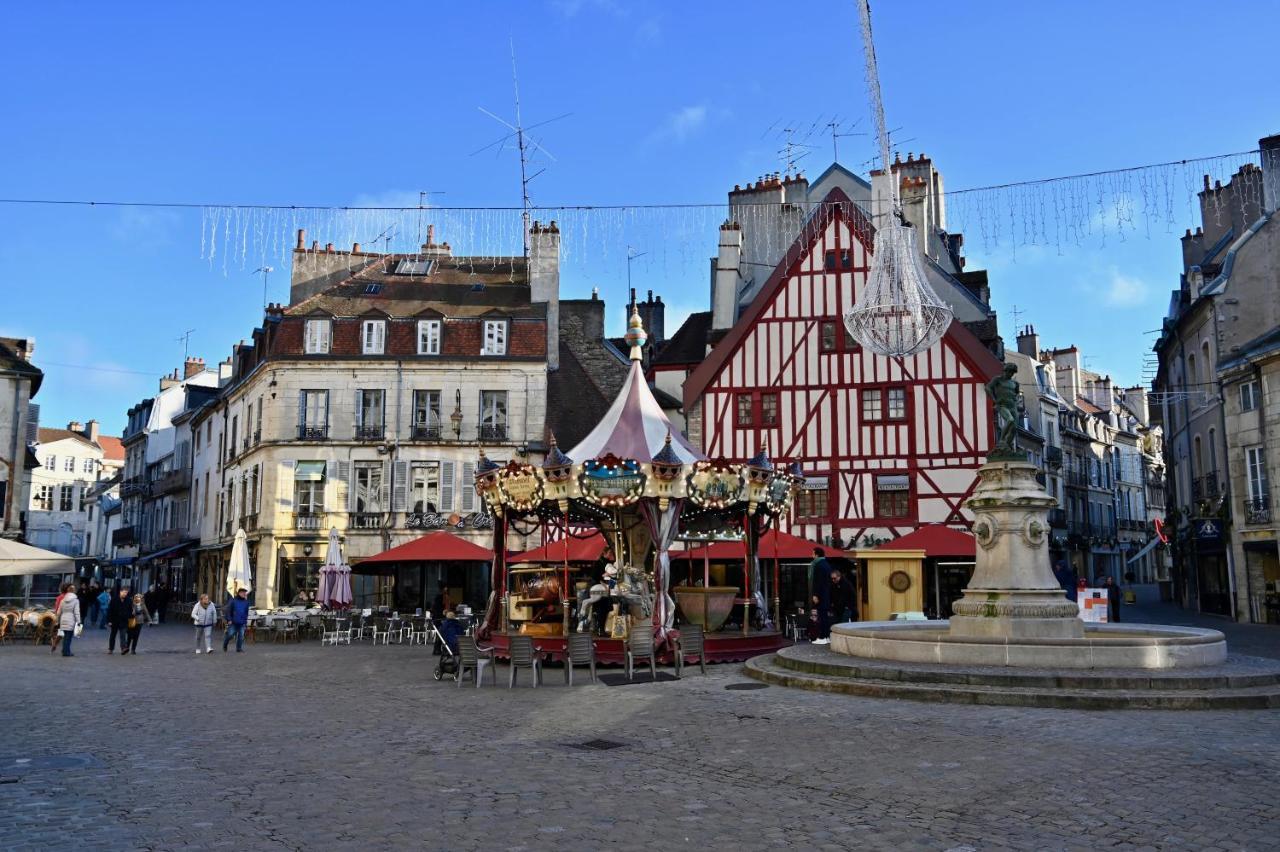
column 495, row 337
column 429, row 337
column 317, row 337
column 374, row 337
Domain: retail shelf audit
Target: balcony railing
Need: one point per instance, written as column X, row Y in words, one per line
column 124, row 537
column 311, row 432
column 1053, row 456
column 369, row 433
column 174, row 480
column 168, row 538
column 309, row 521
column 249, row 523
column 366, row 520
column 1257, row 510
column 493, row 432
column 426, row 433
column 257, row 436
column 1058, row 518
column 1205, row 487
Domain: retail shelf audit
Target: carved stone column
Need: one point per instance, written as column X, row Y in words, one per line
column 1013, row 593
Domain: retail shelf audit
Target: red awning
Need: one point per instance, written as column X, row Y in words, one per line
column 935, row 540
column 789, row 547
column 434, row 547
column 580, row 550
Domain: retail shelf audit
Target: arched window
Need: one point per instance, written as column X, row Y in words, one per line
column 1205, row 362
column 1198, row 458
column 1192, row 379
column 1213, row 450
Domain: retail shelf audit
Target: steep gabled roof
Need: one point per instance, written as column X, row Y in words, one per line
column 835, row 206
column 688, row 345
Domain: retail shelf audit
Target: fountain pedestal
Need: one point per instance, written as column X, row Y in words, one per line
column 1013, row 593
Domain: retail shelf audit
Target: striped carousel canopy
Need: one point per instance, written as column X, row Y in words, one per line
column 635, row 427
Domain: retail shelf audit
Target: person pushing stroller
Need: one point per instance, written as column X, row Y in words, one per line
column 447, row 634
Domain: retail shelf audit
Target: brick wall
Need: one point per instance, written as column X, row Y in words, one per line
column 462, row 337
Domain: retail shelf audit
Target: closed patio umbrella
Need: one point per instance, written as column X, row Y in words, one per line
column 335, row 577
column 238, row 567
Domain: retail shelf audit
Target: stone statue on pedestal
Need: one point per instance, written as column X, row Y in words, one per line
column 1006, row 399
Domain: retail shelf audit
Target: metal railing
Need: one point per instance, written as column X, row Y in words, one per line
column 1053, row 456
column 1205, row 487
column 1058, row 518
column 426, row 433
column 369, row 433
column 1257, row 510
column 493, row 432
column 309, row 432
column 366, row 520
column 310, row 521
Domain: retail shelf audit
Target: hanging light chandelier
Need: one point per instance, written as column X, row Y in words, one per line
column 898, row 313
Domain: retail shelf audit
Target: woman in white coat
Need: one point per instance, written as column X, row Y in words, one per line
column 68, row 620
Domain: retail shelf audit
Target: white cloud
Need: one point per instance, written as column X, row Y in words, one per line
column 680, row 125
column 1124, row 291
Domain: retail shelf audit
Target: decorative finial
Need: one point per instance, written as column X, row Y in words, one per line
column 635, row 336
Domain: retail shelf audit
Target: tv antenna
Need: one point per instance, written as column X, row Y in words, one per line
column 632, row 254
column 525, row 145
column 423, row 195
column 792, row 152
column 894, row 143
column 186, row 343
column 265, row 270
column 835, row 127
column 1017, row 318
column 385, row 237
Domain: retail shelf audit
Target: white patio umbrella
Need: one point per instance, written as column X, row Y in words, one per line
column 335, row 576
column 22, row 560
column 238, row 567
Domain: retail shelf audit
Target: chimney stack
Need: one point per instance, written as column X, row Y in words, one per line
column 302, row 239
column 544, row 281
column 1029, row 341
column 191, row 367
column 91, row 430
column 75, row 426
column 724, row 285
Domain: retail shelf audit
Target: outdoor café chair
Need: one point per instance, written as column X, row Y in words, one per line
column 579, row 650
column 524, row 656
column 381, row 630
column 284, row 629
column 692, row 643
column 314, row 625
column 334, row 631
column 640, row 646
column 472, row 656
column 418, row 631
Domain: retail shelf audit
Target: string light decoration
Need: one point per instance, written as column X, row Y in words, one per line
column 897, row 313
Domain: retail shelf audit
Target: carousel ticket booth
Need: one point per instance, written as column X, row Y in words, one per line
column 892, row 581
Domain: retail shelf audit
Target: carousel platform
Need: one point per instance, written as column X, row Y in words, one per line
column 721, row 647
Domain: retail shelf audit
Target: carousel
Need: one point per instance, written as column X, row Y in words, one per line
column 612, row 511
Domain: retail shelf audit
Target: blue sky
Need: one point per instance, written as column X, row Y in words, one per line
column 328, row 103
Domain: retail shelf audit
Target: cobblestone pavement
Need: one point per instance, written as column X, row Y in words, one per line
column 302, row 747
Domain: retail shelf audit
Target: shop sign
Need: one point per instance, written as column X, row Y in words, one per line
column 1093, row 605
column 814, row 483
column 1208, row 529
column 520, row 485
column 437, row 521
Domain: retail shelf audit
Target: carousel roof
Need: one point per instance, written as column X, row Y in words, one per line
column 635, row 427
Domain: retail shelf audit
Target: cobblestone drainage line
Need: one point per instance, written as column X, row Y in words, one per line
column 742, row 687
column 597, row 745
column 21, row 765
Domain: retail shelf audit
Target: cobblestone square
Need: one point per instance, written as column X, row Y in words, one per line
column 303, row 747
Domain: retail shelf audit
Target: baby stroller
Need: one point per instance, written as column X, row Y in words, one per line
column 446, row 638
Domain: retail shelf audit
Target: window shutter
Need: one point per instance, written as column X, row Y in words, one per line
column 446, row 486
column 284, row 487
column 302, row 411
column 345, row 494
column 468, row 486
column 400, row 490
column 257, row 488
column 384, row 493
column 359, row 412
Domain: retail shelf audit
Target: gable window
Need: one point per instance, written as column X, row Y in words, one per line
column 424, row 486
column 373, row 337
column 316, row 337
column 846, row 259
column 87, row 466
column 51, row 463
column 1249, row 395
column 745, row 410
column 313, row 415
column 370, row 411
column 897, row 399
column 493, row 415
column 429, row 337
column 829, row 260
column 69, row 464
column 495, row 337
column 426, row 415
column 828, row 336
column 893, row 496
column 871, row 408
column 812, row 501
column 768, row 409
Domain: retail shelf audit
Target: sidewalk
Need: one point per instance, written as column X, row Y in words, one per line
column 1254, row 640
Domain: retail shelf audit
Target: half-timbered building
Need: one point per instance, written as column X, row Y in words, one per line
column 886, row 444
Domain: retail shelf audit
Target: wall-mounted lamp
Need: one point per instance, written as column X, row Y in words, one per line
column 456, row 416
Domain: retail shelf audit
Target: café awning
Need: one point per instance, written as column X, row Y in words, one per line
column 309, row 471
column 935, row 540
column 773, row 545
column 432, row 547
column 20, row 560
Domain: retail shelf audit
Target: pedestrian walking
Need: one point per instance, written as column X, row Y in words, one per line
column 139, row 615
column 68, row 613
column 119, row 611
column 162, row 601
column 57, row 606
column 844, row 597
column 149, row 599
column 90, row 600
column 1113, row 599
column 204, row 615
column 237, row 616
column 104, row 601
column 820, row 571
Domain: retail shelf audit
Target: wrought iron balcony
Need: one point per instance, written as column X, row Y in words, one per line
column 493, row 432
column 366, row 520
column 1053, row 456
column 311, row 432
column 309, row 521
column 1205, row 487
column 124, row 537
column 1058, row 518
column 369, row 433
column 1257, row 510
column 426, row 433
column 174, row 480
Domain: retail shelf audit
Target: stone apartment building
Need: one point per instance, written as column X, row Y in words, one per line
column 73, row 463
column 1216, row 382
column 19, row 382
column 362, row 406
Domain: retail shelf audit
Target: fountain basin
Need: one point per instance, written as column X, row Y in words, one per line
column 1104, row 646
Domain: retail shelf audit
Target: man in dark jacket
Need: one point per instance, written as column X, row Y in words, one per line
column 119, row 611
column 820, row 572
column 237, row 616
column 844, row 600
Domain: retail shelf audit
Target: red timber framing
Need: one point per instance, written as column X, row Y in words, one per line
column 861, row 421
